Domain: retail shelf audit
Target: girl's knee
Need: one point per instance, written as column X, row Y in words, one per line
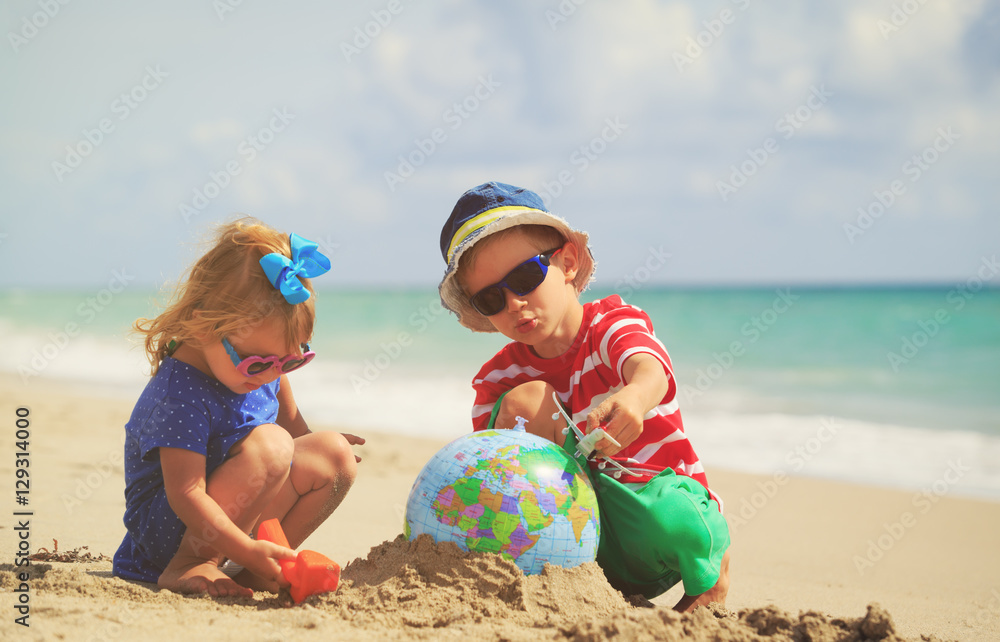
column 328, row 454
column 271, row 447
column 340, row 454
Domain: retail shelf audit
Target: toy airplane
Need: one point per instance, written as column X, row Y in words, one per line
column 585, row 444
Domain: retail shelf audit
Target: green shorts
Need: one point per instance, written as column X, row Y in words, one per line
column 659, row 533
column 656, row 534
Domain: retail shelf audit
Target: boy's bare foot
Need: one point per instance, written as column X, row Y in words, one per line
column 716, row 594
column 203, row 576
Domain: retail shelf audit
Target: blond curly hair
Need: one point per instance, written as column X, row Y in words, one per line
column 226, row 293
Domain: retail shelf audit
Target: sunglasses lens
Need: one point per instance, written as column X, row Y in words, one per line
column 521, row 280
column 258, row 367
column 525, row 277
column 295, row 364
column 489, row 301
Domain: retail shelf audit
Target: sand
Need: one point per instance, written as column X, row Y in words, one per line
column 812, row 559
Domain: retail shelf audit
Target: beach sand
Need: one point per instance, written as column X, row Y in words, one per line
column 809, row 558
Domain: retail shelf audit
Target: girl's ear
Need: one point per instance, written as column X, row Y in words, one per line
column 569, row 259
column 200, row 338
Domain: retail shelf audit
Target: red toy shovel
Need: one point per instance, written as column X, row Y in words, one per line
column 309, row 573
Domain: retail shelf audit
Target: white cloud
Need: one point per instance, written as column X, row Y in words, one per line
column 557, row 87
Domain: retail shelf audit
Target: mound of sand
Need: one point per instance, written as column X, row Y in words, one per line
column 420, row 584
column 408, row 590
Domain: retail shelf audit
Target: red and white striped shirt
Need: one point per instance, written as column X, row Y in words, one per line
column 590, row 372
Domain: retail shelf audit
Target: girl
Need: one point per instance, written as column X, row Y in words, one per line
column 210, row 446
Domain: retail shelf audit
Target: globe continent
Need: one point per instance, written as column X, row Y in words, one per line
column 507, row 492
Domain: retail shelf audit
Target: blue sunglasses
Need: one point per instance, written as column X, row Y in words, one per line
column 521, row 280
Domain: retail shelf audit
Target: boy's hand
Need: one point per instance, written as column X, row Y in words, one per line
column 621, row 417
column 621, row 414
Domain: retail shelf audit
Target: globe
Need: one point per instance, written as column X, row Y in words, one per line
column 507, row 492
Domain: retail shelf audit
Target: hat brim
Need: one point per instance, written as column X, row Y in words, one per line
column 455, row 299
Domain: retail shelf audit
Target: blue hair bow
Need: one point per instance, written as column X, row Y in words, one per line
column 307, row 261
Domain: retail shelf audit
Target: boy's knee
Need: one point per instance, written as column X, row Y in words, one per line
column 683, row 525
column 272, row 447
column 527, row 398
column 698, row 528
column 682, row 537
column 532, row 401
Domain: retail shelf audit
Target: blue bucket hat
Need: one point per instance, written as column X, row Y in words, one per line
column 484, row 210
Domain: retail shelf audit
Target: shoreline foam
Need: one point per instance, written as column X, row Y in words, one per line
column 957, row 463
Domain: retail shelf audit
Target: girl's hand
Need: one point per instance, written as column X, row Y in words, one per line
column 621, row 417
column 262, row 558
column 354, row 440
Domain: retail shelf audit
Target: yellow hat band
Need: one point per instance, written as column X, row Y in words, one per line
column 479, row 221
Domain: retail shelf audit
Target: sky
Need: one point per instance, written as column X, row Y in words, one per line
column 729, row 142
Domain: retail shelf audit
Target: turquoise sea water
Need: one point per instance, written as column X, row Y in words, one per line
column 922, row 359
column 865, row 354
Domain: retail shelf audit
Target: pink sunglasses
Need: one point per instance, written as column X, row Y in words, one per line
column 254, row 365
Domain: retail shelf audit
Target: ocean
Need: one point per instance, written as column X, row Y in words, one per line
column 896, row 387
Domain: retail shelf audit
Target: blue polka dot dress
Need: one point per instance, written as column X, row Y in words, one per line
column 181, row 407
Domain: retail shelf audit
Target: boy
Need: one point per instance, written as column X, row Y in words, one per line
column 516, row 269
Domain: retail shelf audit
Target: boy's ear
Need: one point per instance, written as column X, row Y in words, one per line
column 570, row 260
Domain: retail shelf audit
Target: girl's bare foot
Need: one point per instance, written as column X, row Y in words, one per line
column 247, row 579
column 202, row 576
